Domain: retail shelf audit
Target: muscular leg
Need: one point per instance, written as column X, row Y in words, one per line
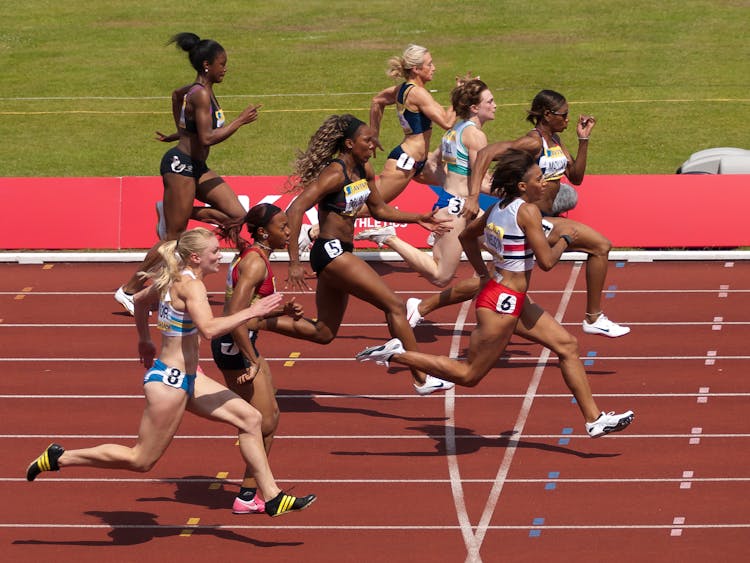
column 464, row 290
column 261, row 394
column 213, row 190
column 439, row 268
column 392, row 180
column 597, row 247
column 214, row 401
column 161, row 418
column 487, row 343
column 539, row 326
column 179, row 195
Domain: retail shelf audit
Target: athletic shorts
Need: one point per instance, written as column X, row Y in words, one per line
column 324, row 251
column 228, row 356
column 177, row 162
column 454, row 203
column 173, row 377
column 496, row 297
column 405, row 162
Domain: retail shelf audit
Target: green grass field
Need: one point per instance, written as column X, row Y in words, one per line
column 87, row 85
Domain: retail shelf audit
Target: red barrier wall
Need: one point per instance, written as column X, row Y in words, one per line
column 118, row 213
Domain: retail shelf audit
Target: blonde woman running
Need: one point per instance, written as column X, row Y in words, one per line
column 174, row 383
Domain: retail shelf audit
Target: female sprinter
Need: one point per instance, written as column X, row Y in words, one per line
column 185, row 174
column 514, row 236
column 245, row 371
column 173, row 382
column 417, row 110
column 334, row 174
column 474, row 105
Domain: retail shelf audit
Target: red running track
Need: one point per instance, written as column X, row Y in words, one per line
column 501, row 472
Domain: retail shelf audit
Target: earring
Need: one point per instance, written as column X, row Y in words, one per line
column 265, row 235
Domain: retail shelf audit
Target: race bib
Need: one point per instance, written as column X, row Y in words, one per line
column 456, row 205
column 333, row 248
column 506, row 303
column 405, row 162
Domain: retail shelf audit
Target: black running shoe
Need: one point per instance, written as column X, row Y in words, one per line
column 283, row 503
column 45, row 462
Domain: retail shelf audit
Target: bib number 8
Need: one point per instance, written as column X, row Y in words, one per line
column 174, row 377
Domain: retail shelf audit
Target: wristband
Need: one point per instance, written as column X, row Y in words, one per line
column 567, row 239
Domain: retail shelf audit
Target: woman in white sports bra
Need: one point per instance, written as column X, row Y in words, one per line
column 513, row 234
column 174, row 382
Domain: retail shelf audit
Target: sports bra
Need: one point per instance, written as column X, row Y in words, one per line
column 217, row 115
column 455, row 153
column 264, row 288
column 412, row 122
column 172, row 322
column 512, row 254
column 552, row 161
column 351, row 197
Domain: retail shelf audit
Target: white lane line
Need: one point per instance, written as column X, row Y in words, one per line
column 395, row 528
column 454, row 472
column 512, row 446
column 524, row 359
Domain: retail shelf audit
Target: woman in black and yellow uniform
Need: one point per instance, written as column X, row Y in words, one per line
column 185, row 173
column 340, row 187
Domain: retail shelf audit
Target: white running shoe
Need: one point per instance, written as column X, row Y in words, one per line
column 382, row 354
column 433, row 384
column 125, row 300
column 161, row 224
column 605, row 327
column 608, row 423
column 379, row 235
column 412, row 311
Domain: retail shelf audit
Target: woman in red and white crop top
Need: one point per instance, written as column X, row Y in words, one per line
column 245, row 370
column 549, row 114
column 502, row 307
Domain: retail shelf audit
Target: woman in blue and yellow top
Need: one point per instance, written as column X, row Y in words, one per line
column 334, row 173
column 174, row 383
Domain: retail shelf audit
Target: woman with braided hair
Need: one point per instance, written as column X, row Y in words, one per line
column 334, row 173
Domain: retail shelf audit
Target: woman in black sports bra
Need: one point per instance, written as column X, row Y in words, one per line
column 185, row 174
column 200, row 125
column 340, row 187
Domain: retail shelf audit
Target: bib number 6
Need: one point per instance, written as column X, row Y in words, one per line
column 506, row 303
